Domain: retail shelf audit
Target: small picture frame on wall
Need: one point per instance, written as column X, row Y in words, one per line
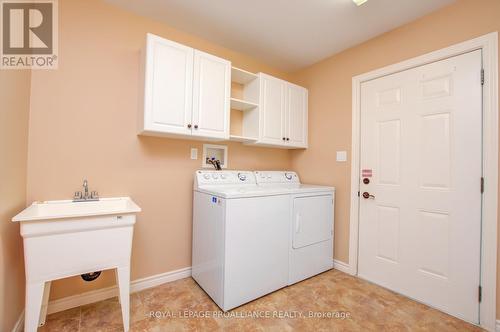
column 214, row 152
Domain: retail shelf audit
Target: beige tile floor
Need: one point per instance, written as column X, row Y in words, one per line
column 369, row 308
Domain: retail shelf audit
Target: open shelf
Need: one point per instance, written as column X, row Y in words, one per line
column 237, row 138
column 242, row 105
column 241, row 76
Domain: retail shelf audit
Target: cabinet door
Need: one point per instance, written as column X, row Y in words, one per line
column 211, row 96
column 168, row 87
column 296, row 116
column 272, row 108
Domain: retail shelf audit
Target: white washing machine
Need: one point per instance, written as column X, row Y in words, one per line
column 312, row 221
column 240, row 237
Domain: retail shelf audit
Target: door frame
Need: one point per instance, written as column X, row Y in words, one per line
column 489, row 45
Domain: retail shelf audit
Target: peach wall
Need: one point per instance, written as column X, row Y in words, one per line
column 83, row 122
column 329, row 83
column 83, row 125
column 14, row 113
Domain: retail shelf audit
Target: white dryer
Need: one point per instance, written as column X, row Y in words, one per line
column 312, row 221
column 240, row 237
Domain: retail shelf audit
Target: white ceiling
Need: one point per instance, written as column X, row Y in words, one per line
column 288, row 34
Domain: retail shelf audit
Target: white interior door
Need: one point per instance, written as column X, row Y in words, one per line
column 169, row 86
column 419, row 234
column 211, row 96
column 272, row 108
column 297, row 115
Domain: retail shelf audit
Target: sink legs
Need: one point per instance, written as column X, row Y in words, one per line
column 45, row 303
column 123, row 276
column 37, row 298
column 34, row 296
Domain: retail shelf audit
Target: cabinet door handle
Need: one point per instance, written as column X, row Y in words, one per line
column 288, row 138
column 195, row 126
column 284, row 138
column 189, row 126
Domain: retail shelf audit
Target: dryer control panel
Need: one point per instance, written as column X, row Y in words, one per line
column 263, row 177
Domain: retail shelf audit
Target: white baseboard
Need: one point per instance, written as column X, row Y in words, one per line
column 19, row 327
column 109, row 292
column 497, row 328
column 343, row 267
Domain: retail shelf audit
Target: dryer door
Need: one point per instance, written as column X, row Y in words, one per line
column 312, row 220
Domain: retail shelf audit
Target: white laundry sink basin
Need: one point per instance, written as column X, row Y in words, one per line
column 69, row 209
column 66, row 238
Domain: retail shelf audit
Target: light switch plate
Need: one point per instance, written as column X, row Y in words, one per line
column 341, row 156
column 194, row 153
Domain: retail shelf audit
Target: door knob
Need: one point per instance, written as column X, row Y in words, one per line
column 284, row 138
column 195, row 126
column 288, row 138
column 367, row 195
column 189, row 126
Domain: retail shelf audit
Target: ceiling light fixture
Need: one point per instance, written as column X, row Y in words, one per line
column 359, row 2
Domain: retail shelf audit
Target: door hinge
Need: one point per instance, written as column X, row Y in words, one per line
column 482, row 76
column 482, row 185
column 480, row 293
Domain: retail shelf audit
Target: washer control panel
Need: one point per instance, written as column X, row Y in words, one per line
column 276, row 177
column 203, row 177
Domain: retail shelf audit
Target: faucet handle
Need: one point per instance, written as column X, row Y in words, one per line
column 78, row 195
column 94, row 194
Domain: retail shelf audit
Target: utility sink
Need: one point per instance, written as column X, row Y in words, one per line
column 66, row 238
column 69, row 209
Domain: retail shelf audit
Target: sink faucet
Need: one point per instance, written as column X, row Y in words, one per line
column 86, row 188
column 84, row 196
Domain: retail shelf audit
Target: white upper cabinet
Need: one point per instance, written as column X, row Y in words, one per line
column 283, row 113
column 168, row 86
column 211, row 96
column 296, row 109
column 186, row 91
column 272, row 104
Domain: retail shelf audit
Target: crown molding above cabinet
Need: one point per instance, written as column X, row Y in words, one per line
column 186, row 93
